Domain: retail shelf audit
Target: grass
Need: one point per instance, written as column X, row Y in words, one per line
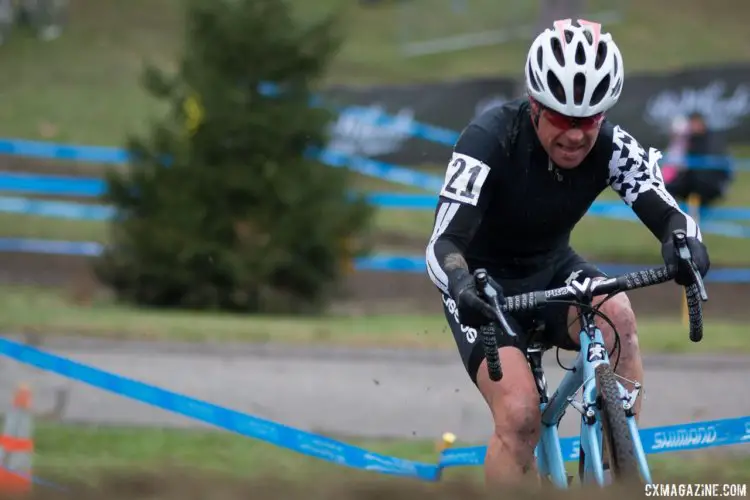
column 84, row 87
column 72, row 452
column 46, row 312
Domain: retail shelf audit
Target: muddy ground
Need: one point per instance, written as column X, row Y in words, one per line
column 192, row 485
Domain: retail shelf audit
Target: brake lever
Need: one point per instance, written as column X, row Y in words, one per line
column 490, row 293
column 680, row 242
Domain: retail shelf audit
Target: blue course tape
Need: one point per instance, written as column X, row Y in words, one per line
column 92, row 187
column 254, row 427
column 51, row 185
column 383, row 262
column 58, row 185
column 439, row 135
column 72, row 186
column 655, row 440
column 51, row 247
column 381, row 170
column 416, row 129
column 57, row 209
column 611, row 209
column 416, row 264
column 681, row 437
column 709, row 220
column 69, row 152
column 111, row 155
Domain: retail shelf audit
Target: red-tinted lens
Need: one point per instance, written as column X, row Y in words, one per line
column 567, row 122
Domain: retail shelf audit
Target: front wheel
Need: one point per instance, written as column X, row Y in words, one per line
column 616, row 440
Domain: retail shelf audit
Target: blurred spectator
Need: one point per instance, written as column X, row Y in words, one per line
column 375, row 2
column 7, row 18
column 46, row 17
column 703, row 166
column 677, row 148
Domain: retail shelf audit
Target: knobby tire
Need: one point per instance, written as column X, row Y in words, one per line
column 616, row 440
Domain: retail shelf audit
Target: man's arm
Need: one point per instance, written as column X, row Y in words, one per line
column 636, row 177
column 463, row 199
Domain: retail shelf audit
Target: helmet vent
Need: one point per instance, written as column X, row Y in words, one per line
column 579, row 88
column 600, row 91
column 588, row 36
column 601, row 55
column 554, row 85
column 558, row 51
column 617, row 86
column 580, row 54
column 532, row 79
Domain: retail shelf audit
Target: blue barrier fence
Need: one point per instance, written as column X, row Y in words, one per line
column 91, row 187
column 365, row 166
column 116, row 156
column 682, row 437
column 713, row 221
column 60, row 185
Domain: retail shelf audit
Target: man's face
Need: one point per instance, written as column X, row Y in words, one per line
column 697, row 125
column 566, row 140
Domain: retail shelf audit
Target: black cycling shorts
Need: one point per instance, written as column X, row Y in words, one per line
column 551, row 322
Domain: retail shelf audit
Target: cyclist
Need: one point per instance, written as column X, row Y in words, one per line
column 520, row 178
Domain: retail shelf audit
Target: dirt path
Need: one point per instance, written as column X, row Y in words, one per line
column 353, row 392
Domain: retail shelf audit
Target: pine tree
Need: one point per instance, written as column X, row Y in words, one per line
column 231, row 211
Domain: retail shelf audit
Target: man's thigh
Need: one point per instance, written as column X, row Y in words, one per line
column 469, row 342
column 571, row 268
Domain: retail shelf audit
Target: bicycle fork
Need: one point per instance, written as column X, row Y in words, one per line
column 591, row 425
column 636, row 436
column 548, row 453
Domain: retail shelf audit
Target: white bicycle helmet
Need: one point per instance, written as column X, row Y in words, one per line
column 575, row 70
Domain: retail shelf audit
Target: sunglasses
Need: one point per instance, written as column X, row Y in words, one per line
column 564, row 122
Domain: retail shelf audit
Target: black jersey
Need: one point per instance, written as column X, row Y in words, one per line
column 505, row 207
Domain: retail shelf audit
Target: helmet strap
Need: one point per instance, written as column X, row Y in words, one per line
column 536, row 112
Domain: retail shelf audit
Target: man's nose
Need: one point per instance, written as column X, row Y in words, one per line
column 575, row 135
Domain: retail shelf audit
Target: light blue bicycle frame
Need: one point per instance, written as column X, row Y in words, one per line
column 550, row 461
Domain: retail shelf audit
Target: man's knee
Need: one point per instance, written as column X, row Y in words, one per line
column 620, row 312
column 514, row 401
column 517, row 419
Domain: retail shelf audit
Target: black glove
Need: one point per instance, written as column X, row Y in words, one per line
column 473, row 311
column 699, row 255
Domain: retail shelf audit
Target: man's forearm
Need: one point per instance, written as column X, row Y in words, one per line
column 454, row 261
column 456, row 267
column 455, row 225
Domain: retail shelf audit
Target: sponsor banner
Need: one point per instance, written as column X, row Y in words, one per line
column 646, row 108
column 446, row 105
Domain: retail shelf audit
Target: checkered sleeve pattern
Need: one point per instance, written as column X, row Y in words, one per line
column 635, row 176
